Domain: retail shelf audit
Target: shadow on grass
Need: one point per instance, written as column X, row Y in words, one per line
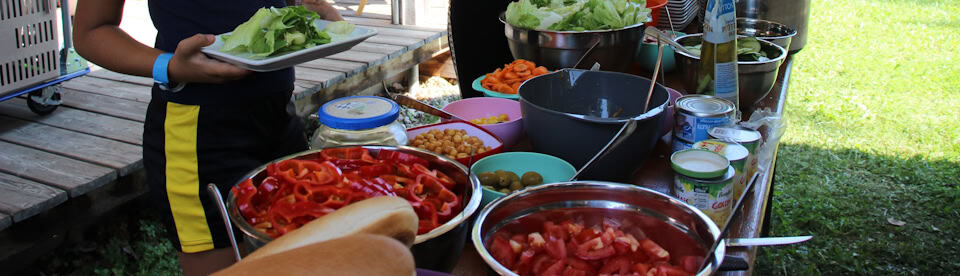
column 851, row 201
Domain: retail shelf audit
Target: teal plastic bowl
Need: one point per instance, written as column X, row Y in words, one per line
column 553, row 169
column 490, row 93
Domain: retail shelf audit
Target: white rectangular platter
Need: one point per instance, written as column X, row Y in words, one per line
column 290, row 59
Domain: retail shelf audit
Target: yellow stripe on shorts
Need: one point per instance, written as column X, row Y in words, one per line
column 183, row 180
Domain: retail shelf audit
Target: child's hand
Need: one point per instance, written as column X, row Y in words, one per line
column 189, row 65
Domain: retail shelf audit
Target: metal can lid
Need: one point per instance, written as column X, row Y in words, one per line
column 704, row 105
column 733, row 151
column 699, row 163
column 358, row 112
column 735, row 133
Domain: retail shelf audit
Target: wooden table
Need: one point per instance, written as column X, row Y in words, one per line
column 655, row 173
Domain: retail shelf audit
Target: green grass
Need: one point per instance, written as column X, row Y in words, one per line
column 873, row 134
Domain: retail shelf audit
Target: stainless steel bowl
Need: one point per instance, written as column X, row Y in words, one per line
column 755, row 78
column 438, row 249
column 615, row 49
column 678, row 227
column 767, row 30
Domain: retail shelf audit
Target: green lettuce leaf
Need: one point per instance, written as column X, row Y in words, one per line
column 273, row 31
column 576, row 15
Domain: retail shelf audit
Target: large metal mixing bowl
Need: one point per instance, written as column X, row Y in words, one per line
column 679, row 228
column 767, row 30
column 754, row 78
column 614, row 49
column 436, row 250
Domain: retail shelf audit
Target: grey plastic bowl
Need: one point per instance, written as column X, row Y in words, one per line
column 573, row 113
column 754, row 78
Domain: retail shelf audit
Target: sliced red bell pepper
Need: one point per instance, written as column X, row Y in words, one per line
column 400, row 157
column 354, row 153
column 376, row 170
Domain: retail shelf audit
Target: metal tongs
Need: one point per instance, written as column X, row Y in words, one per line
column 404, row 100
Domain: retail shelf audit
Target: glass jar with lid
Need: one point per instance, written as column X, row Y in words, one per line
column 359, row 120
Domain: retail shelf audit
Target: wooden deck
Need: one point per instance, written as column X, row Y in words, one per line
column 55, row 167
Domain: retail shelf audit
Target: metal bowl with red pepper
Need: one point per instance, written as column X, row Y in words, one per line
column 291, row 191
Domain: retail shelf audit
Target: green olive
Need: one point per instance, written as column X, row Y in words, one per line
column 516, row 186
column 488, row 179
column 506, row 178
column 505, row 191
column 531, row 178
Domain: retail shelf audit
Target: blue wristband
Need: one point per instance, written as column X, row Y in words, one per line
column 160, row 68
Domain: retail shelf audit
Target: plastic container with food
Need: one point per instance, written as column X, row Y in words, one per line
column 497, row 172
column 456, row 140
column 359, row 120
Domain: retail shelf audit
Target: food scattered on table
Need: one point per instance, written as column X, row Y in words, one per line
column 508, row 79
column 297, row 191
column 454, row 143
column 434, row 91
column 748, row 49
column 277, row 31
column 576, row 15
column 573, row 247
column 495, row 119
column 507, row 182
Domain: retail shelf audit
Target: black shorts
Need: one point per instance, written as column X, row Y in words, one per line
column 185, row 147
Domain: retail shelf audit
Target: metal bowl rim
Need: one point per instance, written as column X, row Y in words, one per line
column 503, row 19
column 478, row 243
column 472, row 205
column 792, row 32
column 779, row 58
column 650, row 114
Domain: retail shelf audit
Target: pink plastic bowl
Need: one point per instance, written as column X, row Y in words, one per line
column 483, row 107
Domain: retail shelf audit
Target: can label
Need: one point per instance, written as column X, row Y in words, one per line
column 679, row 145
column 694, row 129
column 714, row 199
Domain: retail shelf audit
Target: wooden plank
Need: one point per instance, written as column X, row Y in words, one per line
column 346, row 12
column 371, row 59
column 78, row 120
column 113, row 106
column 348, row 67
column 362, row 21
column 92, row 149
column 111, row 88
column 410, row 43
column 5, row 221
column 389, row 50
column 393, row 30
column 322, row 77
column 74, row 176
column 22, row 198
column 111, row 75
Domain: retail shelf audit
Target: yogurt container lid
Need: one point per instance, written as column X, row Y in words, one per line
column 704, row 105
column 699, row 163
column 738, row 134
column 733, row 151
column 358, row 112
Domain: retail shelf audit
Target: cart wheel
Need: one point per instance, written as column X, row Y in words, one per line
column 44, row 101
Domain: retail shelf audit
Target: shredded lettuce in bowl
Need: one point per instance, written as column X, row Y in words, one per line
column 576, row 15
column 276, row 31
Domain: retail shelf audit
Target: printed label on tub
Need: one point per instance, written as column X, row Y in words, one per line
column 694, row 129
column 714, row 199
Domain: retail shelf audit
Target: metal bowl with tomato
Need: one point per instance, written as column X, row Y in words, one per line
column 437, row 249
column 598, row 227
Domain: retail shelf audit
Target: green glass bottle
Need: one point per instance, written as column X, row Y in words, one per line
column 718, row 53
